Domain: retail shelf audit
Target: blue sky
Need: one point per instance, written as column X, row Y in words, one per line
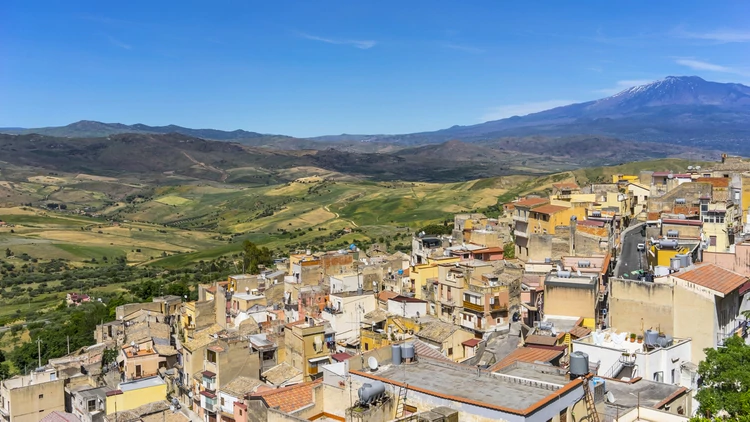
column 316, row 67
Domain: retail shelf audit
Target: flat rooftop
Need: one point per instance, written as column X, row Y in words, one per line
column 247, row 296
column 573, row 280
column 465, row 382
column 141, row 383
column 651, row 393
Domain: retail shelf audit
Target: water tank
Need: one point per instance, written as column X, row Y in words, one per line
column 584, row 264
column 664, row 341
column 668, row 243
column 673, row 233
column 547, row 260
column 651, row 337
column 563, row 274
column 396, row 354
column 596, row 213
column 674, row 264
column 579, row 364
column 407, row 350
column 371, row 391
column 680, row 201
column 684, row 260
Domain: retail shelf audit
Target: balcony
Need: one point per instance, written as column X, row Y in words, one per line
column 523, row 219
column 473, row 307
column 498, row 307
column 520, row 233
column 448, row 301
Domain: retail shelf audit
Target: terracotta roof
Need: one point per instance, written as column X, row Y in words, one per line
column 531, row 202
column 437, row 331
column 543, row 340
column 407, row 299
column 717, row 182
column 208, row 374
column 714, row 277
column 580, row 332
column 340, row 357
column 385, row 295
column 566, row 185
column 288, row 399
column 549, row 209
column 592, row 223
column 528, row 355
column 281, row 373
column 241, row 386
column 682, row 222
column 652, row 216
column 493, row 249
column 472, row 342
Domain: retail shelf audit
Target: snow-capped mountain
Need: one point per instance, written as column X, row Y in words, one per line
column 678, row 109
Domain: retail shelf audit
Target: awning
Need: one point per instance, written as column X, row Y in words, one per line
column 320, row 359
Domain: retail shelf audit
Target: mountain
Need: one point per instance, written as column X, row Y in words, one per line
column 678, row 109
column 92, row 129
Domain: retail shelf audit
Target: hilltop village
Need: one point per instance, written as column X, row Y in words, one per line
column 591, row 303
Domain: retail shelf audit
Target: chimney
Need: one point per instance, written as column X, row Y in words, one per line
column 572, row 246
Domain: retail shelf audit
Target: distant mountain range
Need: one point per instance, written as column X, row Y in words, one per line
column 684, row 110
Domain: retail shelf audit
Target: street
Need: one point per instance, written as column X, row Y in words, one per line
column 631, row 259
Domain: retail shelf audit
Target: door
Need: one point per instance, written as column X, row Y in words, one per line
column 137, row 371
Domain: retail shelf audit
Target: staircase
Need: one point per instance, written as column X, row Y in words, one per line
column 588, row 398
column 401, row 401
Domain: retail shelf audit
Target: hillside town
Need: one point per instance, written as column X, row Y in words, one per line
column 593, row 303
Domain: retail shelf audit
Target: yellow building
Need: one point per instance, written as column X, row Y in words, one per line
column 380, row 329
column 421, row 273
column 662, row 256
column 306, row 347
column 544, row 219
column 625, row 178
column 29, row 398
column 131, row 395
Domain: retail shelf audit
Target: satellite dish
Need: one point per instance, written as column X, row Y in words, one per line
column 372, row 363
column 610, row 397
column 172, row 408
column 190, row 394
column 132, row 344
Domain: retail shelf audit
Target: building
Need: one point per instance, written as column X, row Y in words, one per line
column 306, row 346
column 571, row 294
column 282, row 375
column 29, row 398
column 139, row 359
column 490, row 300
column 522, row 224
column 234, row 392
column 621, row 358
column 346, row 309
column 407, row 307
column 703, row 303
column 452, row 280
column 445, row 338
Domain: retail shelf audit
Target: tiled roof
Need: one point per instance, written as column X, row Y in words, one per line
column 549, row 209
column 437, row 331
column 58, row 416
column 531, row 202
column 385, row 295
column 289, row 399
column 407, row 299
column 717, row 182
column 542, row 340
column 566, row 185
column 592, row 223
column 241, row 386
column 528, row 355
column 580, row 332
column 281, row 373
column 714, row 277
column 422, row 349
column 340, row 357
column 472, row 342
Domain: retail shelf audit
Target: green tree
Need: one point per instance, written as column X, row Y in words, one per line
column 253, row 256
column 8, row 253
column 4, row 371
column 509, row 250
column 725, row 380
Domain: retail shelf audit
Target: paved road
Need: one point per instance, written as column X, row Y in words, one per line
column 630, row 258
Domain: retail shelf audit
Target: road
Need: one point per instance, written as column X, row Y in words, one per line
column 630, row 258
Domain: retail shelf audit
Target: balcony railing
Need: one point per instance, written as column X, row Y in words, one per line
column 520, row 218
column 520, row 233
column 497, row 306
column 448, row 301
column 473, row 307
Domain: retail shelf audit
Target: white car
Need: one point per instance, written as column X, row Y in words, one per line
column 641, row 247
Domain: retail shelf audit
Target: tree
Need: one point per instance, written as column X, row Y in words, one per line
column 509, row 250
column 255, row 256
column 4, row 371
column 725, row 380
column 8, row 253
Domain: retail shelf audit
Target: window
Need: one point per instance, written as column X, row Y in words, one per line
column 720, row 218
column 222, row 401
column 240, row 412
column 41, row 396
column 564, row 415
column 92, row 405
column 450, row 351
column 211, row 356
column 367, row 346
column 712, row 240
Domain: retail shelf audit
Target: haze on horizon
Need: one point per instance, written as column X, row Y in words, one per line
column 308, row 69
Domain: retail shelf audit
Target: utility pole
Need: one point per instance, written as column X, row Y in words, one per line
column 39, row 351
column 68, row 337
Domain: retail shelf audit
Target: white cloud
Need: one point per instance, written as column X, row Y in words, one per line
column 710, row 67
column 622, row 85
column 361, row 44
column 119, row 43
column 720, row 35
column 510, row 110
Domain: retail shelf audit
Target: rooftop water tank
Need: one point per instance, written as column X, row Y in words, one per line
column 674, row 264
column 563, row 274
column 584, row 264
column 673, row 233
column 651, row 338
column 664, row 341
column 684, row 260
column 407, row 350
column 396, row 354
column 579, row 364
column 371, row 391
column 668, row 243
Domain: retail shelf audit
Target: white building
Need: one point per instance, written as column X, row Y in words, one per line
column 345, row 283
column 407, row 307
column 618, row 357
column 346, row 310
